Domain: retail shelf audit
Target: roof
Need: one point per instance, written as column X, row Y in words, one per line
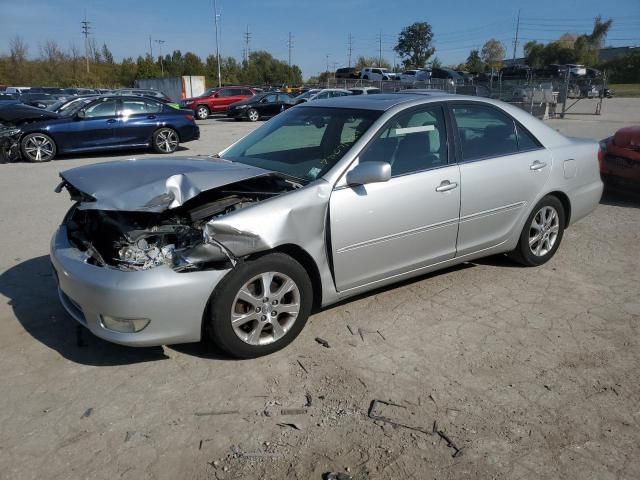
column 379, row 101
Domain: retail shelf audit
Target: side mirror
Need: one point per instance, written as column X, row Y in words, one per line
column 81, row 114
column 369, row 172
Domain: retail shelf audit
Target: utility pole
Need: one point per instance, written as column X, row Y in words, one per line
column 160, row 42
column 290, row 46
column 215, row 19
column 350, row 49
column 86, row 31
column 150, row 47
column 515, row 42
column 327, row 70
column 247, row 37
column 380, row 49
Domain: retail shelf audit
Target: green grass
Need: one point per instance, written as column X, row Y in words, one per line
column 625, row 89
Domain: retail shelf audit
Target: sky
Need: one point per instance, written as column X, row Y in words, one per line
column 319, row 29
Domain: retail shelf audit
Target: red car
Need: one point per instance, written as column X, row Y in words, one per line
column 620, row 165
column 216, row 100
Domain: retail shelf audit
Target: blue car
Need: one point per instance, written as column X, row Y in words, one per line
column 109, row 123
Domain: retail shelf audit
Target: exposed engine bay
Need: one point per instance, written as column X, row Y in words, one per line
column 132, row 241
column 9, row 143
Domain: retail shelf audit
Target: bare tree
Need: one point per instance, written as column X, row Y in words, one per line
column 18, row 49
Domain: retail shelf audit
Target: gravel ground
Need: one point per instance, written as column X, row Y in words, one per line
column 531, row 372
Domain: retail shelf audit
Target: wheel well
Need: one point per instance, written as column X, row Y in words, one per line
column 166, row 126
column 300, row 255
column 203, row 105
column 566, row 204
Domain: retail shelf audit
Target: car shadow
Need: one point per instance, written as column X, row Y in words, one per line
column 133, row 153
column 32, row 293
column 620, row 199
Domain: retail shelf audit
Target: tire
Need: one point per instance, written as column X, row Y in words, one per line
column 366, row 77
column 254, row 334
column 38, row 147
column 165, row 140
column 202, row 112
column 253, row 115
column 548, row 213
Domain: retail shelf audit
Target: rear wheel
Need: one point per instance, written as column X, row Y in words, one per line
column 165, row 140
column 253, row 115
column 202, row 112
column 542, row 234
column 38, row 147
column 261, row 306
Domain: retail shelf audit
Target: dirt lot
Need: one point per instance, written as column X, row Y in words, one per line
column 533, row 373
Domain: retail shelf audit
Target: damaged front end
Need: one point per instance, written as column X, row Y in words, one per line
column 176, row 237
column 9, row 143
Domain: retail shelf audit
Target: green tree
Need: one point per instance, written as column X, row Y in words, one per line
column 414, row 45
column 436, row 63
column 474, row 63
column 492, row 54
column 106, row 54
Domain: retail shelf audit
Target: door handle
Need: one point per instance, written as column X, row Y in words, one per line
column 151, row 117
column 446, row 185
column 537, row 165
column 111, row 120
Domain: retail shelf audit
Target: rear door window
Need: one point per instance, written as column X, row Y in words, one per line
column 484, row 132
column 101, row 109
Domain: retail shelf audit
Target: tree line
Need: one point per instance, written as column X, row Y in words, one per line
column 57, row 67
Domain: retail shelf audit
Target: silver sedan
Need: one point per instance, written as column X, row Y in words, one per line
column 327, row 200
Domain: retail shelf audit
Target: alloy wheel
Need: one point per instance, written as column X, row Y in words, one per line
column 543, row 231
column 39, row 148
column 253, row 115
column 265, row 308
column 167, row 140
column 202, row 113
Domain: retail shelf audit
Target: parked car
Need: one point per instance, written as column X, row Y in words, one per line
column 408, row 76
column 145, row 92
column 40, row 100
column 473, row 90
column 515, row 72
column 108, row 123
column 324, row 202
column 263, row 105
column 9, row 99
column 620, row 165
column 576, row 70
column 80, row 91
column 364, row 90
column 347, row 72
column 447, row 74
column 18, row 90
column 374, row 73
column 216, row 100
column 593, row 73
column 322, row 94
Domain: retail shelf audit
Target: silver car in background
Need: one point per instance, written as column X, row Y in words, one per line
column 327, row 200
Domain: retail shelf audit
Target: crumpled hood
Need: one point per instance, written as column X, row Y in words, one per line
column 153, row 185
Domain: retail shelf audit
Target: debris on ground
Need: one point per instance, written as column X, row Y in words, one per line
column 350, row 330
column 322, row 342
column 87, row 412
column 295, row 426
column 308, row 399
column 221, row 412
column 293, row 411
column 456, row 451
column 336, row 476
column 395, row 415
column 302, row 367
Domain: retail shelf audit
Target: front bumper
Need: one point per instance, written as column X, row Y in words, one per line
column 174, row 302
column 237, row 113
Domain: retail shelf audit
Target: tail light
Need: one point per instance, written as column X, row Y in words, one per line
column 190, row 117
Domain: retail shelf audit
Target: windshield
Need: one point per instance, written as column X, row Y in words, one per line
column 209, row 92
column 304, row 142
column 72, row 107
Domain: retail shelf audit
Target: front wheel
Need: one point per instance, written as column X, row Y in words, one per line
column 202, row 112
column 165, row 140
column 261, row 306
column 542, row 234
column 253, row 115
column 38, row 147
